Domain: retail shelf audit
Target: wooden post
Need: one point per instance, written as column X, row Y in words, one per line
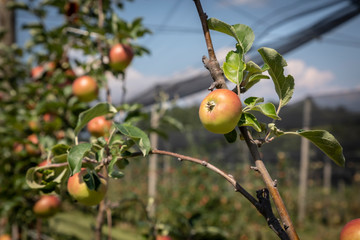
column 327, row 175
column 153, row 168
column 304, row 163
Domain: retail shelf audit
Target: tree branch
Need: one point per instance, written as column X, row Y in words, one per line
column 270, row 184
column 248, row 138
column 210, row 63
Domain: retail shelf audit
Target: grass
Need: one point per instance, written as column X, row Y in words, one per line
column 80, row 226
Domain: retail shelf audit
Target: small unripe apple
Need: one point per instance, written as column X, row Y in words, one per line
column 18, row 147
column 47, row 206
column 5, row 237
column 161, row 237
column 78, row 189
column 85, row 88
column 351, row 231
column 120, row 56
column 37, row 72
column 220, row 111
column 99, row 126
column 32, row 147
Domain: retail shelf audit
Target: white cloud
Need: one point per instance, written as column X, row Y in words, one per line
column 308, row 77
column 137, row 83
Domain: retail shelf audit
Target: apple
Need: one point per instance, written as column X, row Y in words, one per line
column 162, row 237
column 37, row 72
column 120, row 56
column 78, row 189
column 18, row 147
column 99, row 126
column 5, row 237
column 32, row 147
column 351, row 230
column 85, row 88
column 47, row 206
column 220, row 111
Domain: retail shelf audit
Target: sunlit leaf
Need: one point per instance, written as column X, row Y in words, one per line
column 76, row 155
column 326, row 142
column 247, row 119
column 284, row 85
column 137, row 135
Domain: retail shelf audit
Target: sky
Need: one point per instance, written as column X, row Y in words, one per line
column 177, row 43
column 328, row 64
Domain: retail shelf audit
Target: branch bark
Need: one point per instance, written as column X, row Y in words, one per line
column 210, row 63
column 270, row 184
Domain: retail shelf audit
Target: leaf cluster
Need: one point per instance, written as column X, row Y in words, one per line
column 247, row 74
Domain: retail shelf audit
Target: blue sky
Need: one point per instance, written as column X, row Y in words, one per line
column 177, row 44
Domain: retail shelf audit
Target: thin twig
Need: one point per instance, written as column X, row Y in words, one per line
column 210, row 63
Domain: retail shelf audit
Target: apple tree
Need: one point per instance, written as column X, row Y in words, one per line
column 43, row 89
column 81, row 165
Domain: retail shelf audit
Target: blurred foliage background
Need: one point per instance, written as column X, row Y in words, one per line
column 192, row 202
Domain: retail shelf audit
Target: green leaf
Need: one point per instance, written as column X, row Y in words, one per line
column 254, row 79
column 92, row 180
column 114, row 170
column 76, row 155
column 234, row 66
column 275, row 130
column 33, row 182
column 231, row 136
column 98, row 110
column 268, row 109
column 252, row 101
column 59, row 149
column 220, row 26
column 137, row 135
column 284, row 85
column 326, row 142
column 247, row 119
column 243, row 34
column 246, row 36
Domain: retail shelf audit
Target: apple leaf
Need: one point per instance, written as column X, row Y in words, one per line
column 247, row 119
column 231, row 136
column 98, row 110
column 137, row 135
column 243, row 34
column 252, row 101
column 254, row 74
column 113, row 169
column 268, row 109
column 92, row 180
column 254, row 79
column 284, row 85
column 326, row 142
column 234, row 66
column 246, row 36
column 277, row 132
column 59, row 149
column 33, row 182
column 76, row 155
